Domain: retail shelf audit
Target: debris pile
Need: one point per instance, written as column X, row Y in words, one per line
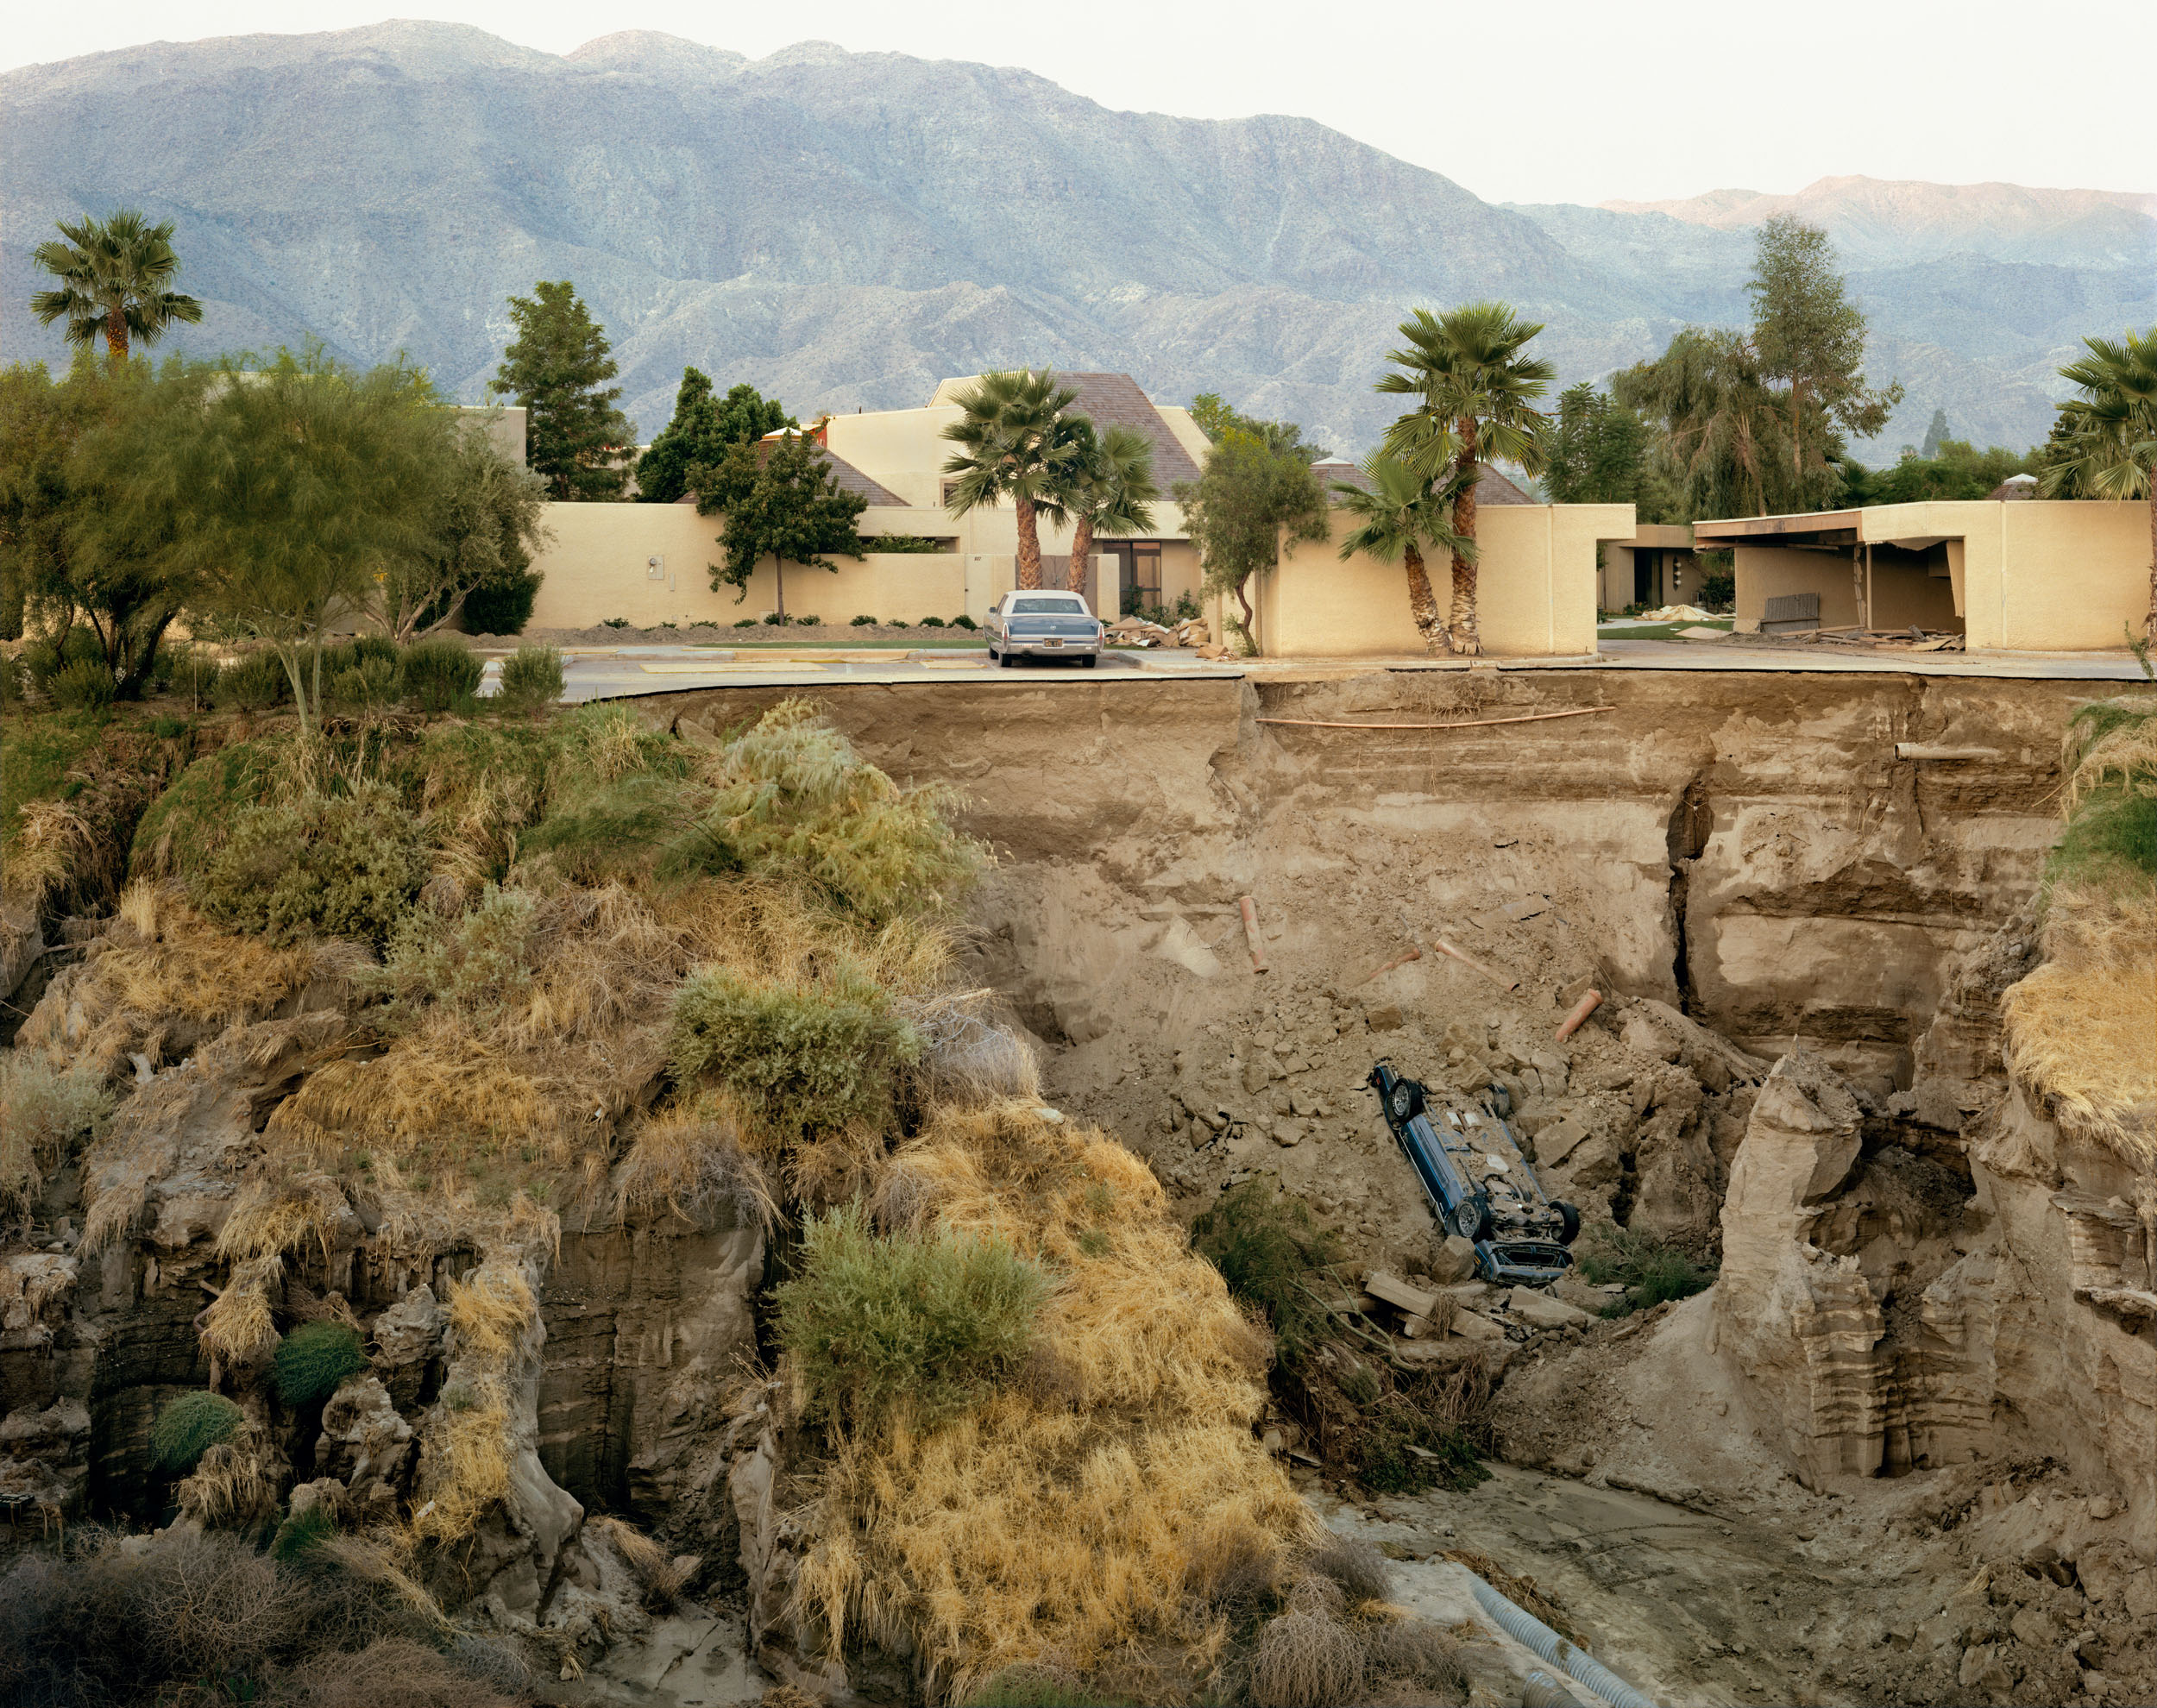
column 1912, row 639
column 1138, row 632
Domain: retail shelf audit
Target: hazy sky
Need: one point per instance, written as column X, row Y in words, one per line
column 1555, row 101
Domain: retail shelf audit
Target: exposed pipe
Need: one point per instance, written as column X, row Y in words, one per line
column 1525, row 1628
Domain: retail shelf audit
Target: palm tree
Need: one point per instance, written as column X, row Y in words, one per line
column 1109, row 489
column 1477, row 392
column 2110, row 435
column 1400, row 513
column 1012, row 445
column 113, row 274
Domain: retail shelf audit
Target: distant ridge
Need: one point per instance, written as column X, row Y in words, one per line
column 844, row 229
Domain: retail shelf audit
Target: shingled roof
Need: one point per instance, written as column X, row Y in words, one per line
column 1113, row 400
column 1491, row 487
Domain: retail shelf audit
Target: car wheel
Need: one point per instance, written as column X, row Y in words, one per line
column 1568, row 1223
column 1088, row 661
column 1005, row 660
column 1407, row 1101
column 1472, row 1221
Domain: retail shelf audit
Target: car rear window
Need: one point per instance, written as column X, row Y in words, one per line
column 1048, row 607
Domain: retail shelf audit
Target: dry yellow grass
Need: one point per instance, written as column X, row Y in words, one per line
column 467, row 1469
column 688, row 1161
column 227, row 1486
column 236, row 1327
column 2082, row 1028
column 272, row 1217
column 1059, row 1526
column 493, row 1312
column 663, row 1575
column 464, row 1469
column 2124, row 757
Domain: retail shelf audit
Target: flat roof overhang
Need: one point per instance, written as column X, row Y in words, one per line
column 1822, row 527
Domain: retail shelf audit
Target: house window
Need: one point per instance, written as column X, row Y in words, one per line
column 1138, row 573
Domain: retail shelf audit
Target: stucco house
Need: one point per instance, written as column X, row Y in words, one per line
column 649, row 563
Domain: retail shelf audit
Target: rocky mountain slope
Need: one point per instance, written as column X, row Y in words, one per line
column 845, row 229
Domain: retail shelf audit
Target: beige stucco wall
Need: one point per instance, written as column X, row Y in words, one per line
column 2030, row 575
column 598, row 566
column 1536, row 588
column 2040, row 575
column 1763, row 572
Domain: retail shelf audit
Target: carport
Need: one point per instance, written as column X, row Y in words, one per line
column 1888, row 566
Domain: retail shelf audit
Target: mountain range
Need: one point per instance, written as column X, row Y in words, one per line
column 845, row 229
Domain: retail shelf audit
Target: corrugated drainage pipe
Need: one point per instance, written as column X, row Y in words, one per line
column 1523, row 1626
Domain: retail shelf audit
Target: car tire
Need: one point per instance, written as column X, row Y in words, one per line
column 1472, row 1221
column 1568, row 1223
column 1004, row 659
column 1088, row 661
column 1406, row 1102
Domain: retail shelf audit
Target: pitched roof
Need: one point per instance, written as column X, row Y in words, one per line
column 2014, row 487
column 1491, row 487
column 1113, row 400
column 850, row 479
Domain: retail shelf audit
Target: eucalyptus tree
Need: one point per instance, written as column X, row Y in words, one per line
column 1013, row 443
column 1400, row 514
column 114, row 275
column 1109, row 488
column 1810, row 337
column 1476, row 389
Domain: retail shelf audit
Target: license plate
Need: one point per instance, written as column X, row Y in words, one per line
column 1051, row 642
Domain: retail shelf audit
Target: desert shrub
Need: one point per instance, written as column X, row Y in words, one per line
column 314, row 1358
column 923, row 1323
column 809, row 622
column 503, row 606
column 801, row 1058
column 302, row 1532
column 180, row 830
column 1234, row 1571
column 1306, row 1660
column 441, row 674
column 1403, row 1449
column 795, row 797
column 321, row 866
column 533, row 675
column 1650, row 1271
column 1267, row 1246
column 616, row 797
column 496, row 1665
column 189, row 670
column 256, row 683
column 84, row 686
column 690, row 1165
column 1362, row 1573
column 479, row 962
column 2107, row 839
column 962, row 621
column 391, row 1672
column 188, row 1425
column 932, row 622
column 369, row 682
column 43, row 1111
column 863, row 623
column 1418, row 1653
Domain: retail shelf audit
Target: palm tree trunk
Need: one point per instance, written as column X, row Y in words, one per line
column 1081, row 549
column 2149, row 627
column 117, row 336
column 1422, row 604
column 1467, row 637
column 1029, row 544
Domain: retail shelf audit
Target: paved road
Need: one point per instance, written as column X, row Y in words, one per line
column 608, row 673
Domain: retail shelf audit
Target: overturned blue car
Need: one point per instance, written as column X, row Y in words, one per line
column 1479, row 1183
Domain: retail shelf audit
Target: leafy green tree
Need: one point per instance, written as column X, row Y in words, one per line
column 1013, row 443
column 1601, row 452
column 557, row 370
column 486, row 519
column 2105, row 441
column 1810, row 336
column 114, row 276
column 702, row 428
column 1722, row 423
column 1109, row 488
column 293, row 493
column 1955, row 469
column 1214, row 418
column 781, row 500
column 73, row 554
column 1476, row 389
column 1401, row 513
column 1253, row 495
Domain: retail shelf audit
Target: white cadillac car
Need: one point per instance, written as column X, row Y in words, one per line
column 1039, row 624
